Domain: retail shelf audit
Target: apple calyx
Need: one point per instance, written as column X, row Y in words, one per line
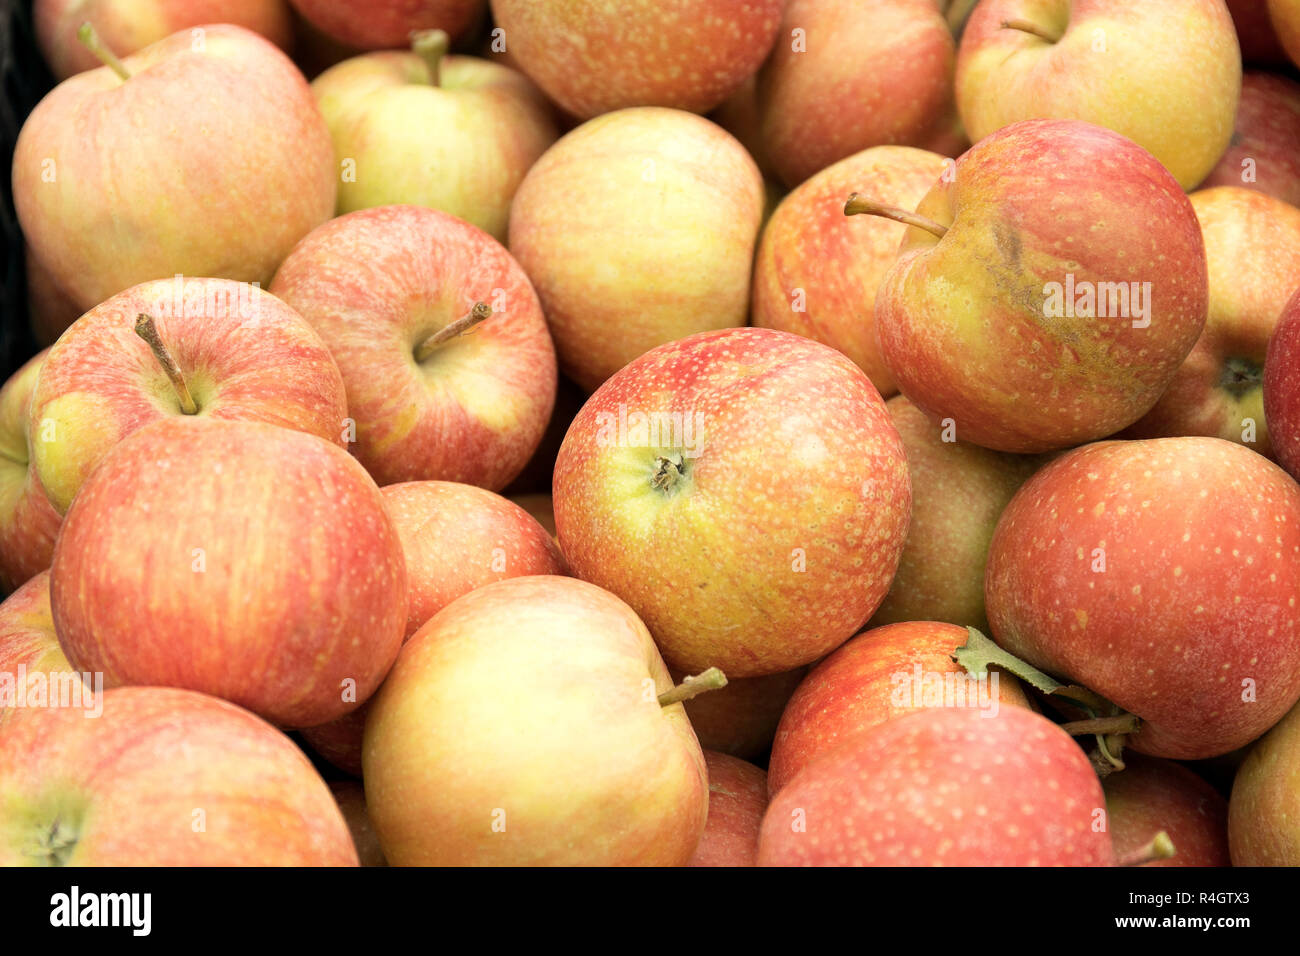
column 1161, row 847
column 55, row 844
column 858, row 205
column 708, row 680
column 1240, row 376
column 1033, row 29
column 145, row 328
column 480, row 312
column 87, row 35
column 431, row 46
column 668, row 473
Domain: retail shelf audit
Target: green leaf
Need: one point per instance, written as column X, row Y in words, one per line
column 979, row 652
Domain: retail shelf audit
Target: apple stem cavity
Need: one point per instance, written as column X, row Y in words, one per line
column 480, row 312
column 1160, row 848
column 711, row 679
column 147, row 330
column 1103, row 726
column 431, row 46
column 860, row 205
column 87, row 35
column 1033, row 29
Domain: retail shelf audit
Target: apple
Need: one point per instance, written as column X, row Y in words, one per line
column 185, row 349
column 244, row 560
column 29, row 523
column 846, row 75
column 49, row 309
column 29, row 646
column 958, row 493
column 740, row 719
column 637, row 228
column 127, row 26
column 210, row 158
column 1264, row 812
column 541, row 508
column 1255, row 34
column 744, row 491
column 879, row 675
column 1252, row 245
column 594, row 57
column 1164, row 73
column 378, row 24
column 339, row 741
column 818, row 270
column 351, row 798
column 454, row 133
column 737, row 799
column 1163, row 576
column 1282, row 386
column 1029, row 316
column 165, row 777
column 536, row 476
column 523, row 726
column 739, row 115
column 449, row 370
column 1285, row 17
column 943, row 787
column 1150, row 795
column 1266, row 141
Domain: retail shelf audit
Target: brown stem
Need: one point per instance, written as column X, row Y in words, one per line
column 430, row 345
column 710, row 679
column 431, row 46
column 1033, row 29
column 1123, row 724
column 1160, row 848
column 87, row 35
column 145, row 328
column 858, row 205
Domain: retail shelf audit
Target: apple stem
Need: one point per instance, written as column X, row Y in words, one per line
column 87, row 35
column 858, row 205
column 1121, row 724
column 145, row 328
column 431, row 46
column 430, row 345
column 711, row 679
column 1033, row 29
column 1160, row 848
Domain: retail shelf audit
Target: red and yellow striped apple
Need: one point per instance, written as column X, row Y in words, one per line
column 737, row 799
column 380, row 24
column 1265, row 151
column 29, row 523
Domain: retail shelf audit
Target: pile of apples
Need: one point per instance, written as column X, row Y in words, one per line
column 612, row 442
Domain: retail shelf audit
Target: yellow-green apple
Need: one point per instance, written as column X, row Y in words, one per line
column 1282, row 387
column 523, row 725
column 164, row 777
column 1255, row 34
column 1285, row 17
column 734, row 441
column 448, row 366
column 737, row 799
column 846, row 75
column 943, row 787
column 29, row 523
column 1164, row 73
column 351, row 798
column 126, row 26
column 50, row 310
column 1265, row 150
column 740, row 719
column 958, row 493
column 210, row 158
column 380, row 24
column 593, row 57
column 637, row 228
column 1252, row 247
column 454, row 133
column 1151, row 795
column 1029, row 316
column 1163, row 575
column 877, row 676
column 818, row 270
column 29, row 647
column 186, row 349
column 244, row 560
column 1264, row 811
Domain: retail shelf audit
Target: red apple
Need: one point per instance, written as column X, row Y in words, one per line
column 1150, row 795
column 818, row 270
column 210, row 158
column 1005, row 318
column 1252, row 246
column 130, row 25
column 737, row 799
column 1282, row 386
column 1265, row 151
column 846, row 75
column 377, row 24
column 29, row 523
column 1163, row 575
column 248, row 561
column 542, row 509
column 943, row 787
column 1264, row 812
column 877, row 676
column 740, row 719
column 29, row 646
column 239, row 354
column 434, row 397
column 351, row 798
column 593, row 57
column 755, row 478
column 164, row 777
